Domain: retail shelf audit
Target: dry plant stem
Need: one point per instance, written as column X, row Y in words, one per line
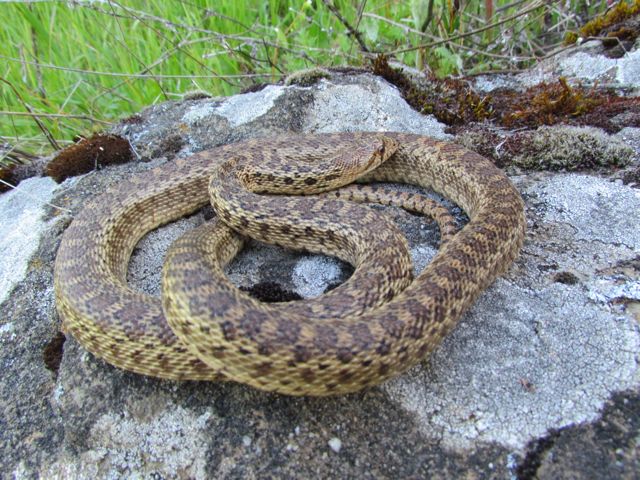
column 574, row 45
column 352, row 32
column 559, row 51
column 222, row 39
column 15, row 155
column 55, row 115
column 122, row 42
column 34, row 45
column 159, row 61
column 132, row 75
column 363, row 3
column 37, row 140
column 478, row 51
column 212, row 13
column 43, row 129
column 533, row 7
column 488, row 72
column 164, row 37
column 510, row 5
column 428, row 18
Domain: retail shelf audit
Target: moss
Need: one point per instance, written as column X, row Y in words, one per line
column 622, row 33
column 547, row 104
column 89, row 154
column 570, row 38
column 451, row 101
column 133, row 119
column 566, row 148
column 196, row 95
column 256, row 87
column 559, row 102
column 561, row 147
column 483, row 139
column 619, row 13
column 307, row 77
column 632, row 178
column 6, row 174
column 10, row 158
column 455, row 103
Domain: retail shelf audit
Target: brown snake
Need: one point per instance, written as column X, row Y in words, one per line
column 243, row 340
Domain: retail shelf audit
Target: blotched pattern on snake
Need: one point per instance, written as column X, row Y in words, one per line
column 354, row 339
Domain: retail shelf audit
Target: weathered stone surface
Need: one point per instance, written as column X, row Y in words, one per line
column 587, row 64
column 20, row 228
column 540, row 377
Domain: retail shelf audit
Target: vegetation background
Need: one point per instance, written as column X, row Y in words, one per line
column 70, row 67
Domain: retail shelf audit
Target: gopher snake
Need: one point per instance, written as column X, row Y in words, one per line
column 243, row 340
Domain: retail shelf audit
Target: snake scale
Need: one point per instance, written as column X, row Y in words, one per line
column 221, row 333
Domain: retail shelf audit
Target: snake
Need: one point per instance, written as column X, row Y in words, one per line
column 221, row 333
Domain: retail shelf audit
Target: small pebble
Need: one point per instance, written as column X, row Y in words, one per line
column 335, row 444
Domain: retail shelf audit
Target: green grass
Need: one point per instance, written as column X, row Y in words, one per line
column 82, row 64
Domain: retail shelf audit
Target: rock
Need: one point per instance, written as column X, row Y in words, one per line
column 584, row 64
column 335, row 444
column 540, row 377
column 21, row 226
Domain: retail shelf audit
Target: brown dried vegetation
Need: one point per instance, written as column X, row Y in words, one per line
column 451, row 101
column 559, row 102
column 455, row 103
column 6, row 174
column 89, row 154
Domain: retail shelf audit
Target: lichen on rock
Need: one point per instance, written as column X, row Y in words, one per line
column 569, row 148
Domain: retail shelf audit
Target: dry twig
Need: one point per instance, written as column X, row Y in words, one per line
column 352, row 32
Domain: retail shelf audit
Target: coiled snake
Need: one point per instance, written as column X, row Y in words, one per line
column 355, row 340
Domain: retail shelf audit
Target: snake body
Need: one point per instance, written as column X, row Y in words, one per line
column 243, row 340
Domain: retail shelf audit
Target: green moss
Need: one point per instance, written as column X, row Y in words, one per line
column 196, row 95
column 622, row 11
column 307, row 77
column 570, row 38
